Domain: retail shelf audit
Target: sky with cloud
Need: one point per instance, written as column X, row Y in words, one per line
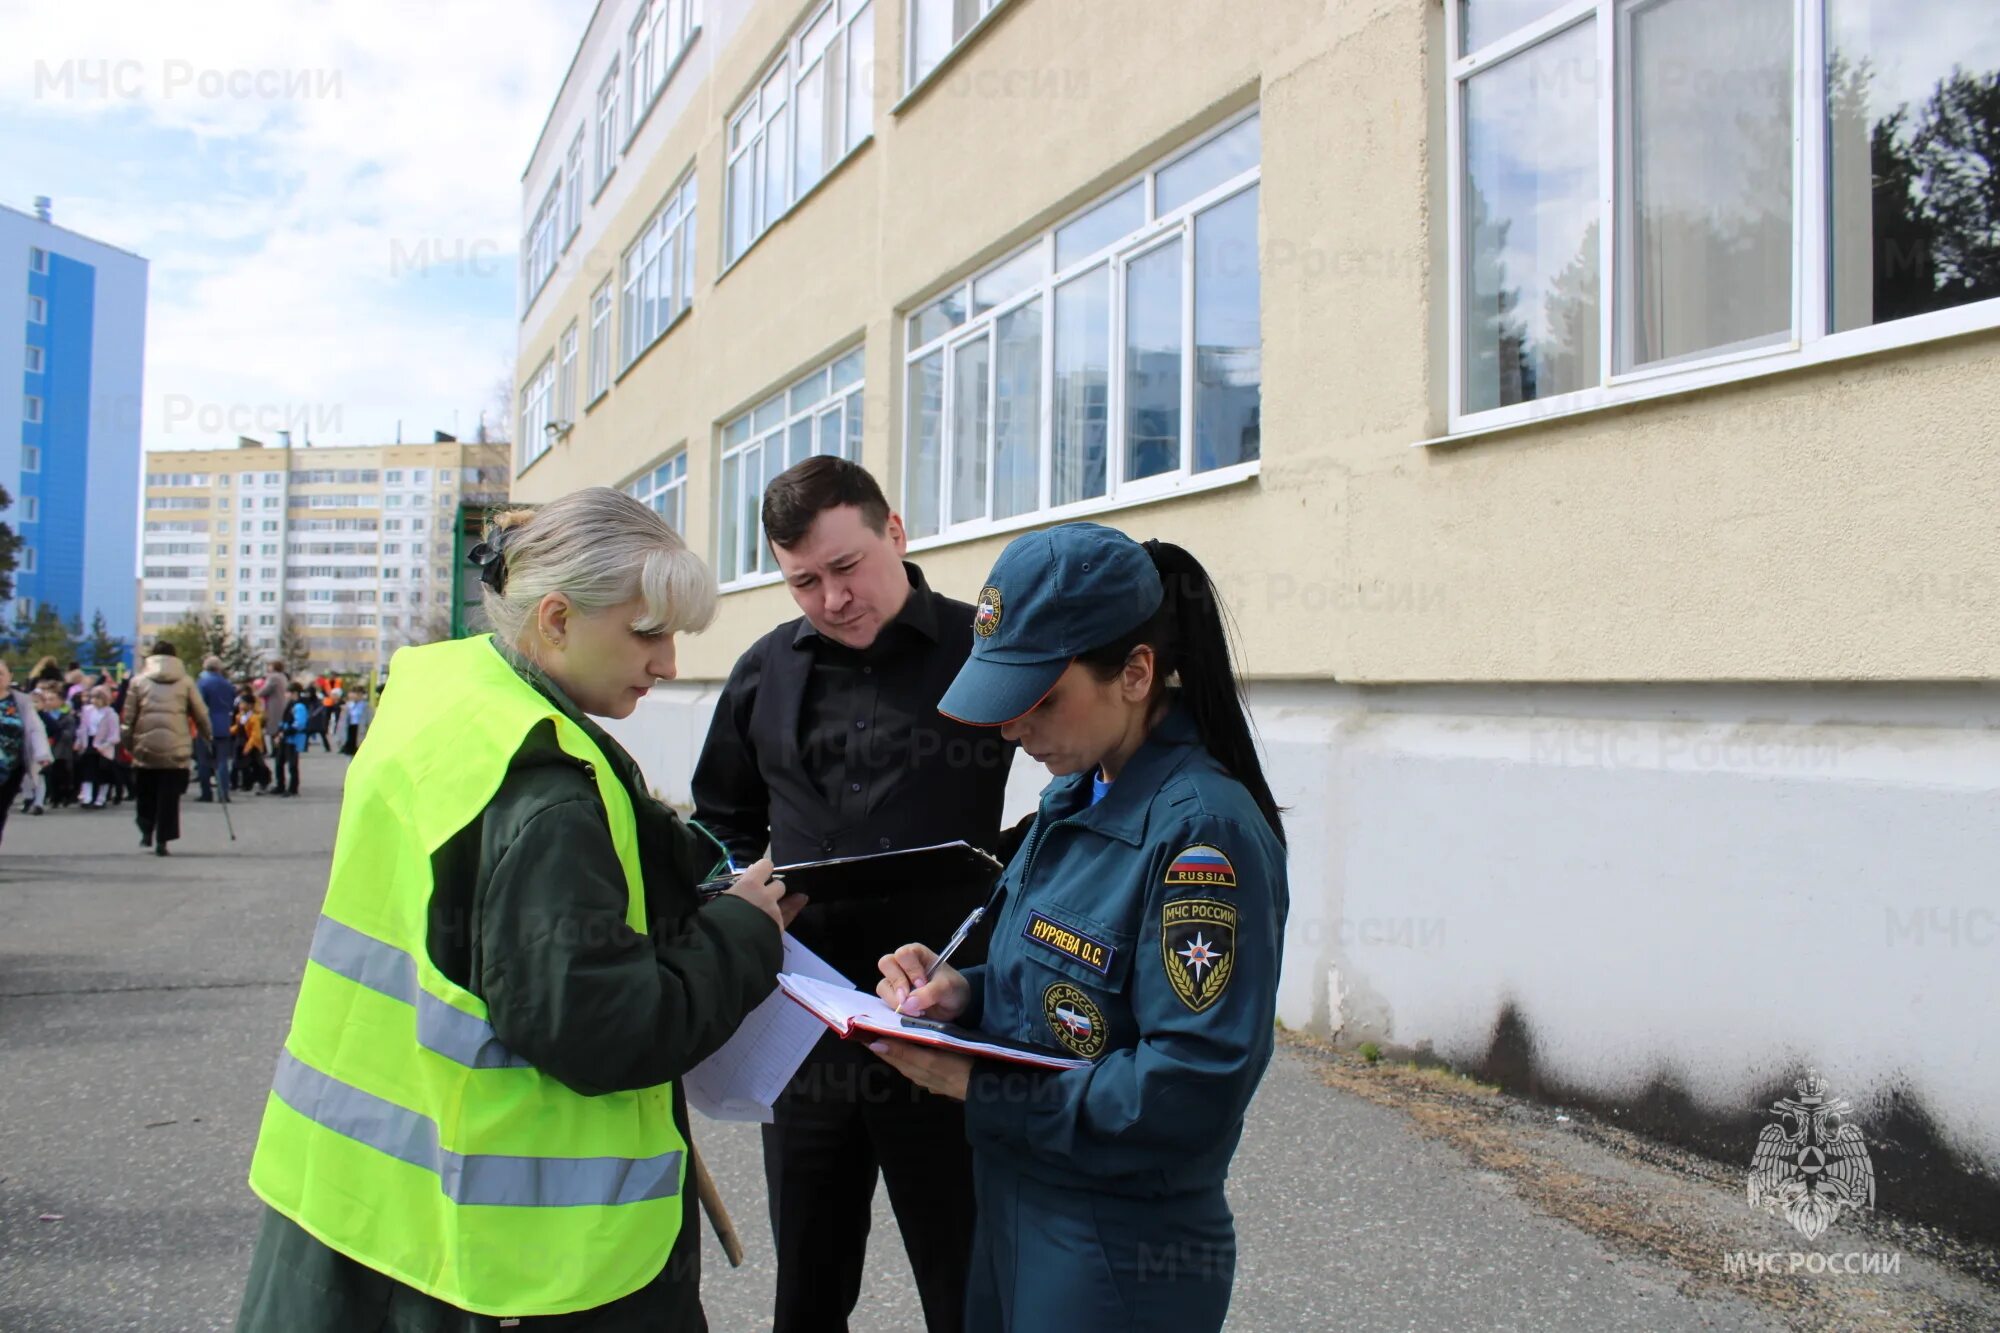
column 328, row 194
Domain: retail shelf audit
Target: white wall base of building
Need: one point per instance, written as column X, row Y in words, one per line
column 1707, row 888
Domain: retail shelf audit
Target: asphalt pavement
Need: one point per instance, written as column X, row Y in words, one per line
column 143, row 1001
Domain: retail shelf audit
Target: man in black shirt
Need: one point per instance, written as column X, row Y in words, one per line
column 827, row 742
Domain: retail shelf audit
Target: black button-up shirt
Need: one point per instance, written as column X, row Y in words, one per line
column 819, row 750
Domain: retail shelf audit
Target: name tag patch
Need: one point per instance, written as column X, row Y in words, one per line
column 1093, row 954
column 1202, row 867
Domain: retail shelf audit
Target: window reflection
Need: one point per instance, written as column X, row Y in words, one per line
column 1913, row 107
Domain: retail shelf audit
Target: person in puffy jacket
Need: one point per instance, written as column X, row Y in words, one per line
column 163, row 714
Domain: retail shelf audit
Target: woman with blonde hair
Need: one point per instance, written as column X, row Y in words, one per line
column 476, row 1118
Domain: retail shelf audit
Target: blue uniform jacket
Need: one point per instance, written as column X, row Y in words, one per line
column 1145, row 932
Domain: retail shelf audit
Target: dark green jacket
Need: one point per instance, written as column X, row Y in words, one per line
column 528, row 913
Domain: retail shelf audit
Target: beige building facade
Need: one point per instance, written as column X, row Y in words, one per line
column 1583, row 406
column 355, row 546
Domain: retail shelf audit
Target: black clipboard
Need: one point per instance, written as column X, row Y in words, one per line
column 880, row 876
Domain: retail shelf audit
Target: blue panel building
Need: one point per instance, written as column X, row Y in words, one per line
column 72, row 466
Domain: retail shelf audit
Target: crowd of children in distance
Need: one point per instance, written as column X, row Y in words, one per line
column 86, row 765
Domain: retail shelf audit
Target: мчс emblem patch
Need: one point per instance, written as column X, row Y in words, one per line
column 1201, row 866
column 1198, row 948
column 1075, row 1019
column 1093, row 954
column 986, row 612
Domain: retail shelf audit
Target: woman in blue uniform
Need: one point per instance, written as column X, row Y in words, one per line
column 1139, row 925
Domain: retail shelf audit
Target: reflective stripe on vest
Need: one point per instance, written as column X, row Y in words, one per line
column 514, row 1182
column 383, row 968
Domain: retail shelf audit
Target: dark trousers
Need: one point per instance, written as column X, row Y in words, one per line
column 1052, row 1257
column 212, row 759
column 838, row 1123
column 159, row 792
column 288, row 763
column 10, row 789
column 252, row 771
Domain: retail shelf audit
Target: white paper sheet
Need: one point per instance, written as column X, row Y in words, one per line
column 742, row 1080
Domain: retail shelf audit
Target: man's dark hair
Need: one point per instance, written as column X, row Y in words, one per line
column 165, row 648
column 804, row 491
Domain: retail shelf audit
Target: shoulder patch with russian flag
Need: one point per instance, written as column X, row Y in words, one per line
column 1200, row 866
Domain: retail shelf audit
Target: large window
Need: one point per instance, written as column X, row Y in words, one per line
column 540, row 246
column 600, row 342
column 606, row 137
column 812, row 108
column 537, row 401
column 572, row 191
column 1650, row 195
column 658, row 272
column 565, row 384
column 660, row 32
column 663, row 488
column 820, row 414
column 935, row 27
column 1115, row 357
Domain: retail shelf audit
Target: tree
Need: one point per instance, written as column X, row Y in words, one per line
column 101, row 649
column 241, row 660
column 10, row 546
column 292, row 646
column 44, row 636
column 189, row 638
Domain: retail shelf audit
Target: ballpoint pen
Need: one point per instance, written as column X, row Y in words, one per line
column 950, row 947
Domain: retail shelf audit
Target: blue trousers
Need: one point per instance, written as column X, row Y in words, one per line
column 212, row 759
column 1049, row 1257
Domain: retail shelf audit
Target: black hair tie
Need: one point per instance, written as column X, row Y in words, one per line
column 492, row 562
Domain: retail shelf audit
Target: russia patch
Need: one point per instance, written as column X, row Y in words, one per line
column 1201, row 866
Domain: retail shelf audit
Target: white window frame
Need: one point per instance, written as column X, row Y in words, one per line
column 31, row 509
column 1115, row 258
column 31, row 458
column 27, row 559
column 38, row 259
column 753, row 134
column 657, row 269
column 539, row 246
column 31, row 408
column 536, row 400
column 662, row 487
column 36, row 362
column 744, row 439
column 572, row 191
column 565, row 381
column 600, row 344
column 1811, row 340
column 38, row 310
column 912, row 79
column 607, row 138
column 658, row 37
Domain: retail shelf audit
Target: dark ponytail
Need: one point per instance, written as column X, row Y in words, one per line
column 1189, row 636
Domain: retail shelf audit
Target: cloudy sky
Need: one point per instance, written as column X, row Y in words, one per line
column 328, row 193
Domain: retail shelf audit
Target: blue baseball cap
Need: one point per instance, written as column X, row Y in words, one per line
column 1052, row 596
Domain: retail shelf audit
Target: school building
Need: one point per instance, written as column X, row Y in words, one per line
column 1617, row 567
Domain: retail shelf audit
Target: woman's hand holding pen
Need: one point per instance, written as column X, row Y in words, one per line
column 914, row 982
column 768, row 895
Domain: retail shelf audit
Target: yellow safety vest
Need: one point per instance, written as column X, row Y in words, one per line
column 399, row 1130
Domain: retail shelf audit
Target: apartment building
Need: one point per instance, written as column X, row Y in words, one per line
column 1583, row 405
column 358, row 548
column 77, row 309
